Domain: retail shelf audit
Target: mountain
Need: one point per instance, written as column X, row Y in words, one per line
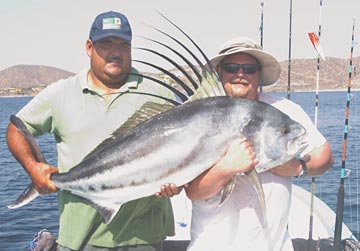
column 333, row 75
column 29, row 79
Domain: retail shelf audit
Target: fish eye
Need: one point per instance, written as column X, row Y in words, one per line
column 285, row 130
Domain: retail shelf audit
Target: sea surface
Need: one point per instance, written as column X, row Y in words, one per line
column 18, row 227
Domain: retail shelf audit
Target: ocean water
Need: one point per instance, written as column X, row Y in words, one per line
column 18, row 227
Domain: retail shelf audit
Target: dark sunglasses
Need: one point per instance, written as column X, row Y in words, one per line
column 234, row 68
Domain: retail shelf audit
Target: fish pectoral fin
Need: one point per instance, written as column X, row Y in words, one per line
column 25, row 197
column 227, row 190
column 255, row 180
column 108, row 211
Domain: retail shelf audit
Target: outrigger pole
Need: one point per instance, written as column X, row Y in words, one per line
column 311, row 220
column 289, row 62
column 318, row 71
column 341, row 191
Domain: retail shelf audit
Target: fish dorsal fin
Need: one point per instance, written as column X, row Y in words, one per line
column 210, row 86
column 144, row 113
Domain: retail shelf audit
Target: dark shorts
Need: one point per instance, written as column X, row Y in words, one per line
column 149, row 247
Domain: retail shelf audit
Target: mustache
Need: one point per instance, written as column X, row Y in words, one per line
column 114, row 60
column 240, row 81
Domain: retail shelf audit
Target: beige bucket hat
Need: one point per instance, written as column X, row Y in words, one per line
column 270, row 68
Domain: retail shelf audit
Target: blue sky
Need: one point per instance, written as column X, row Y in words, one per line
column 54, row 33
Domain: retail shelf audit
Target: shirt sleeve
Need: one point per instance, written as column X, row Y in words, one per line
column 37, row 114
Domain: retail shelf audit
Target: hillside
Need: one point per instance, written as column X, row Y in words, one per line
column 334, row 73
column 29, row 79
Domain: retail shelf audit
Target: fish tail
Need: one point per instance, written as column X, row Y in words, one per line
column 255, row 180
column 29, row 194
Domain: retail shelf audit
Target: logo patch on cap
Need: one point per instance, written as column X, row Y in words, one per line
column 111, row 23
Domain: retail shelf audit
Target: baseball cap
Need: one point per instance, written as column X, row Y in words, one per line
column 110, row 24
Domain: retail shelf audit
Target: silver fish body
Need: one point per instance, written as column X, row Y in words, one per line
column 178, row 145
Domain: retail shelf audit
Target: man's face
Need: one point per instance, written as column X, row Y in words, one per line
column 241, row 81
column 110, row 59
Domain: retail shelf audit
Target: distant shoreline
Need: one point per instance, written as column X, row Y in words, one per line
column 15, row 96
column 326, row 90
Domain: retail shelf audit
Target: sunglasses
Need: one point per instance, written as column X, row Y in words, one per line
column 234, row 68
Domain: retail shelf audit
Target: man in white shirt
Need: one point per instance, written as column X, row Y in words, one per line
column 237, row 224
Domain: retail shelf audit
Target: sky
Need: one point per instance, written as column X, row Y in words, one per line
column 54, row 33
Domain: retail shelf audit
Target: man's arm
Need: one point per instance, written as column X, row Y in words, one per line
column 318, row 161
column 238, row 158
column 39, row 173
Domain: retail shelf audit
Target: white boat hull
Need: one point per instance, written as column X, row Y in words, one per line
column 323, row 217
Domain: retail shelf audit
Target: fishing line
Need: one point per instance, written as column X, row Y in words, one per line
column 357, row 176
column 261, row 34
column 353, row 184
column 289, row 61
column 311, row 218
column 341, row 191
column 266, row 229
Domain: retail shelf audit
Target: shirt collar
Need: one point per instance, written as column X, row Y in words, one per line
column 132, row 83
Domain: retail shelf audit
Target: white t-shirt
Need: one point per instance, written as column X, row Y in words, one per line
column 237, row 224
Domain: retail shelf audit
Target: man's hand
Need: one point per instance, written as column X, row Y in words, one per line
column 239, row 157
column 40, row 176
column 169, row 190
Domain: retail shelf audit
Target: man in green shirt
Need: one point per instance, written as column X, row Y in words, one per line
column 81, row 112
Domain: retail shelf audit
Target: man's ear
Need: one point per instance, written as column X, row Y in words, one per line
column 89, row 47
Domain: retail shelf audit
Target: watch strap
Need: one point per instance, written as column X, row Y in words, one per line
column 303, row 171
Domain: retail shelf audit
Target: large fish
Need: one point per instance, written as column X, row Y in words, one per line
column 165, row 144
column 178, row 145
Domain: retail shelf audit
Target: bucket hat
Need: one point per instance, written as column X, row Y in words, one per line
column 270, row 68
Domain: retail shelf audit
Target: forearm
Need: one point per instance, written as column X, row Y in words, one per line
column 318, row 161
column 238, row 158
column 20, row 148
column 208, row 184
column 321, row 160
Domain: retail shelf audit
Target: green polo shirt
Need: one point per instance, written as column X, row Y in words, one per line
column 80, row 118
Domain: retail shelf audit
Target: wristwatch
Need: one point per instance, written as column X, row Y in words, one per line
column 303, row 171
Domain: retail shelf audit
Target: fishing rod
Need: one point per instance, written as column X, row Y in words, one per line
column 289, row 62
column 311, row 219
column 341, row 191
column 261, row 30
